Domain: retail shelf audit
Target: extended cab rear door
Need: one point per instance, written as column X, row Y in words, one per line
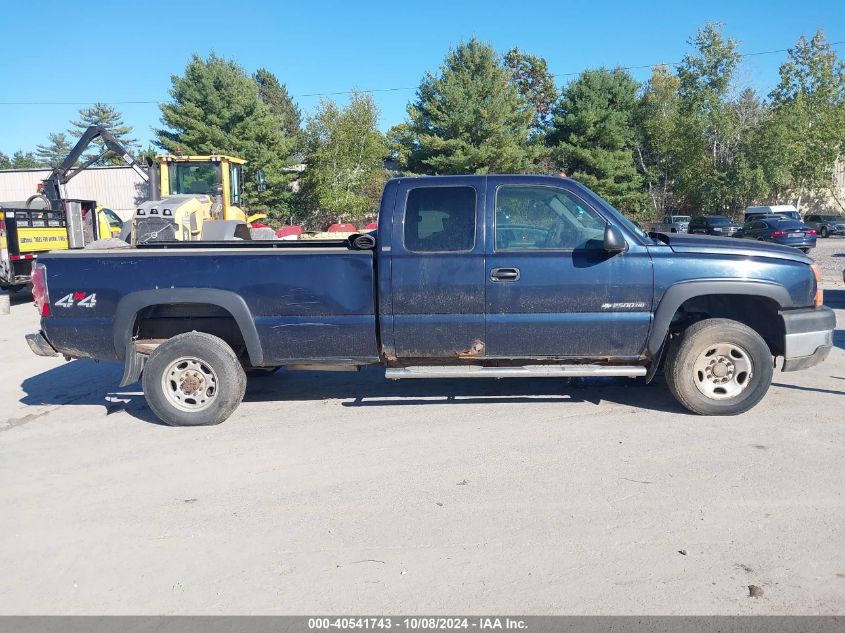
column 437, row 267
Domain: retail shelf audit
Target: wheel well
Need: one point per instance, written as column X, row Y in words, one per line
column 759, row 313
column 163, row 321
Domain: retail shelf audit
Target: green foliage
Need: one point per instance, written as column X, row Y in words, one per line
column 345, row 153
column 275, row 96
column 809, row 115
column 109, row 118
column 25, row 160
column 469, row 118
column 55, row 151
column 593, row 136
column 5, row 161
column 707, row 130
column 656, row 149
column 530, row 74
column 215, row 107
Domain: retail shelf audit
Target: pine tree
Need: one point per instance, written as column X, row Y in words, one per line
column 55, row 151
column 25, row 160
column 469, row 118
column 5, row 161
column 109, row 118
column 216, row 108
column 593, row 136
column 275, row 96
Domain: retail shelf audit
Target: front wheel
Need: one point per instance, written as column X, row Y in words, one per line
column 193, row 379
column 824, row 232
column 719, row 367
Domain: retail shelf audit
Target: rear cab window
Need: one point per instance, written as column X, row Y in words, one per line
column 440, row 219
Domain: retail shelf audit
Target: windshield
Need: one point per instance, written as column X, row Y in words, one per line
column 680, row 218
column 718, row 220
column 629, row 224
column 202, row 178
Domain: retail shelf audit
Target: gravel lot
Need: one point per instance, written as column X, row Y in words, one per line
column 345, row 493
column 830, row 256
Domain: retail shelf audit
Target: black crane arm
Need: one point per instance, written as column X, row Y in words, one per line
column 65, row 172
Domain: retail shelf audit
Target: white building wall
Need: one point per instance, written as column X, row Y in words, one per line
column 118, row 188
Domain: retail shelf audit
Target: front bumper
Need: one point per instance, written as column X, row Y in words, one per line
column 808, row 337
column 40, row 345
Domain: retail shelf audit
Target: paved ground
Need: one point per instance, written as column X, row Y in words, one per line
column 345, row 493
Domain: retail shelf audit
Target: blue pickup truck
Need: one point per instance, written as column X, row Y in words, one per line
column 465, row 277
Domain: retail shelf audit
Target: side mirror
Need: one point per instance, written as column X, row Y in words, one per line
column 614, row 241
column 259, row 178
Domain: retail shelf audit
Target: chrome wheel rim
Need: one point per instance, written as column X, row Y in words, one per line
column 723, row 371
column 189, row 384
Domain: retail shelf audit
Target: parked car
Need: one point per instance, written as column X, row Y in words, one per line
column 713, row 225
column 452, row 285
column 784, row 210
column 673, row 224
column 826, row 224
column 780, row 230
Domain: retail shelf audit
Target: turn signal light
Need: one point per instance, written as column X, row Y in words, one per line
column 817, row 273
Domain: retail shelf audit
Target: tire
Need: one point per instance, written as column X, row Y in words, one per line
column 197, row 360
column 824, row 232
column 696, row 378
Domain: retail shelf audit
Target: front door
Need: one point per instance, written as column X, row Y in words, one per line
column 437, row 269
column 552, row 289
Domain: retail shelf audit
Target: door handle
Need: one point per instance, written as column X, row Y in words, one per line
column 504, row 274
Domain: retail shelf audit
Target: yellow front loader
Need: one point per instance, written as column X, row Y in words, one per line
column 192, row 198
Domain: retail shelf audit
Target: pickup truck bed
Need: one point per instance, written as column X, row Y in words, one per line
column 466, row 276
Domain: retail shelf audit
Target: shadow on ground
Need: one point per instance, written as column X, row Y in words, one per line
column 85, row 382
column 20, row 297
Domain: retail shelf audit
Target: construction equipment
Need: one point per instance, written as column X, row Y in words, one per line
column 192, row 198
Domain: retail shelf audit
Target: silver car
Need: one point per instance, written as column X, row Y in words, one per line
column 826, row 224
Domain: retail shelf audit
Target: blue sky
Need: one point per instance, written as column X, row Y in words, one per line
column 126, row 51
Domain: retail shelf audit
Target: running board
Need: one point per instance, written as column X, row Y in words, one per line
column 526, row 371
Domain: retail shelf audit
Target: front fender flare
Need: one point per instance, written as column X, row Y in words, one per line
column 676, row 294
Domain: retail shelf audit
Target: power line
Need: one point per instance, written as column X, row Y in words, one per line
column 373, row 90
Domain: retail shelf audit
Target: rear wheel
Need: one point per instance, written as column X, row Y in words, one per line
column 824, row 232
column 194, row 379
column 719, row 367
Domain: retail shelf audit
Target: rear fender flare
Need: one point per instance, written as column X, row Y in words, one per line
column 677, row 294
column 131, row 304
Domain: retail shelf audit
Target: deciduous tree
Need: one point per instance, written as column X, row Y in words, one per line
column 809, row 115
column 345, row 155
